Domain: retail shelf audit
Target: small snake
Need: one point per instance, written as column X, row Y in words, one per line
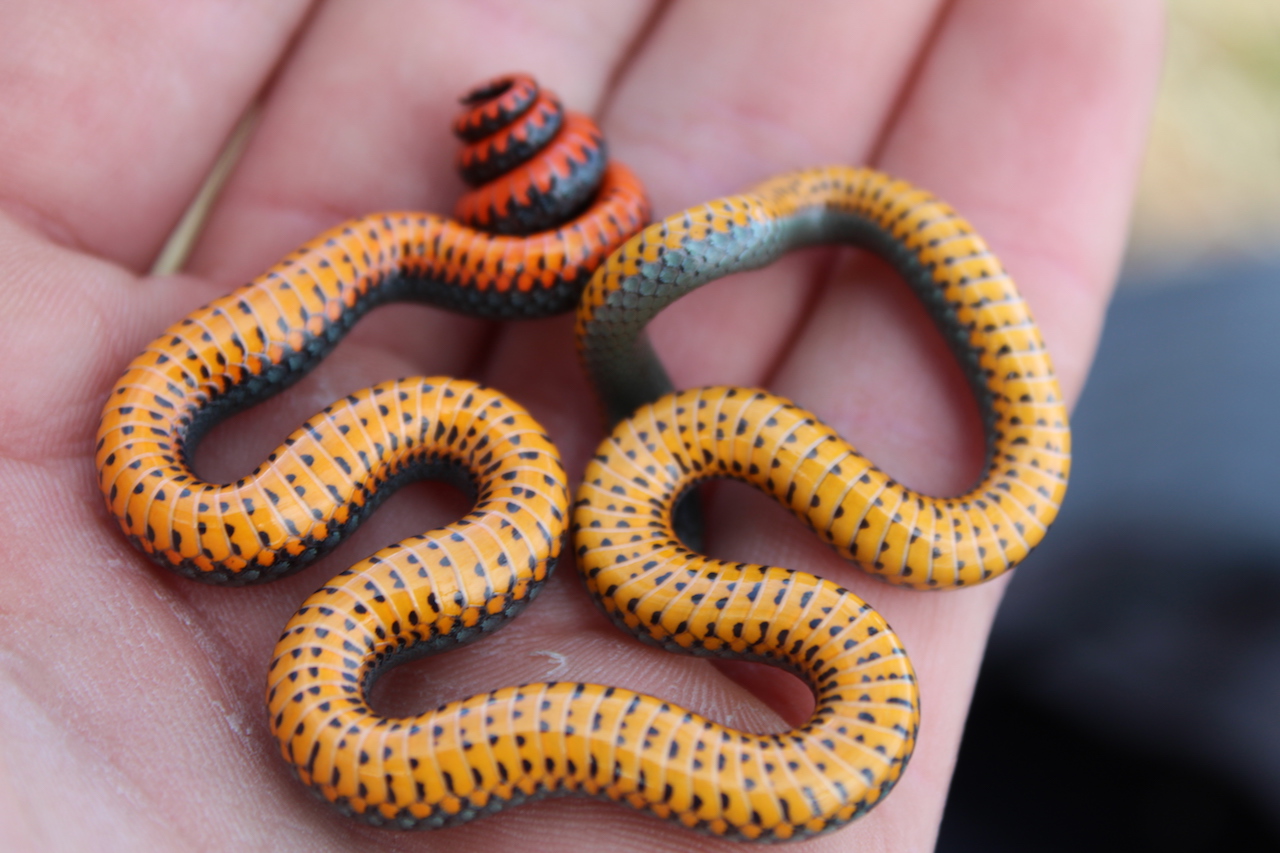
column 448, row 586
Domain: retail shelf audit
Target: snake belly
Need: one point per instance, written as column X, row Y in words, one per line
column 856, row 744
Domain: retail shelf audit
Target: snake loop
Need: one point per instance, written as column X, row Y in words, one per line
column 893, row 531
column 266, row 335
column 857, row 741
column 426, row 594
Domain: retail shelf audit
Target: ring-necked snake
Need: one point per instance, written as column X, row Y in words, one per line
column 447, row 586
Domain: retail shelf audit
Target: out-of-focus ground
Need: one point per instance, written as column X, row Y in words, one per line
column 1210, row 183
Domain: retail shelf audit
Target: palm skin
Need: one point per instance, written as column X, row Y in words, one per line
column 131, row 708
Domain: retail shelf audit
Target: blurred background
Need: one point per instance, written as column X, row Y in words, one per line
column 1130, row 698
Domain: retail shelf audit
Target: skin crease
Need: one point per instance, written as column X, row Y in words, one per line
column 131, row 700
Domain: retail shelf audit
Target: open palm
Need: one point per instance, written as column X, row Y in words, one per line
column 131, row 710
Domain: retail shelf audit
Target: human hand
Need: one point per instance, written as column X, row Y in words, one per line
column 132, row 704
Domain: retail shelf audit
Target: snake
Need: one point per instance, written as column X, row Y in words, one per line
column 853, row 748
column 448, row 586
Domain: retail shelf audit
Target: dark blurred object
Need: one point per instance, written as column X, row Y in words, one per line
column 1130, row 699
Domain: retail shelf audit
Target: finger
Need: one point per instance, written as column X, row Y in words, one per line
column 359, row 119
column 717, row 98
column 115, row 112
column 70, row 324
column 745, row 96
column 1029, row 119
